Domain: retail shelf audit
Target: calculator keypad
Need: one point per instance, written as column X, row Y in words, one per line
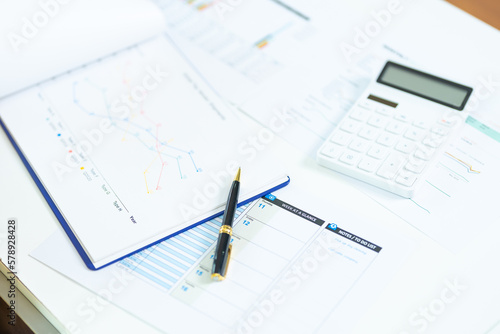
column 376, row 143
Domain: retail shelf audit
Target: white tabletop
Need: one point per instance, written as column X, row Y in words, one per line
column 436, row 291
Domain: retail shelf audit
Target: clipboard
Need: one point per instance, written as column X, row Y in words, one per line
column 23, row 118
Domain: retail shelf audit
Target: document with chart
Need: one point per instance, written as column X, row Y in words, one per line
column 290, row 270
column 288, row 64
column 133, row 148
column 457, row 201
column 248, row 43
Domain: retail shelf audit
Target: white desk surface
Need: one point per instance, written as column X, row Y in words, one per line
column 419, row 283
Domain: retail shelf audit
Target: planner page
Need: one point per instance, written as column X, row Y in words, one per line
column 293, row 269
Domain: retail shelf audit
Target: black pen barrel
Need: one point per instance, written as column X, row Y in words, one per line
column 220, row 256
column 223, row 246
column 232, row 202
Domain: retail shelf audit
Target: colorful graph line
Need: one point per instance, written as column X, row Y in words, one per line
column 463, row 163
column 201, row 6
column 421, row 207
column 438, row 189
column 204, row 6
column 139, row 126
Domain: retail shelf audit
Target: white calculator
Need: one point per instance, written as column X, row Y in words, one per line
column 397, row 129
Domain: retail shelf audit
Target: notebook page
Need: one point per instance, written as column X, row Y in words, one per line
column 44, row 39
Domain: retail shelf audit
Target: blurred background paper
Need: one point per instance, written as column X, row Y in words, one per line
column 42, row 39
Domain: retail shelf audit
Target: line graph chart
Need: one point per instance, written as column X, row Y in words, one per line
column 463, row 163
column 130, row 136
column 137, row 125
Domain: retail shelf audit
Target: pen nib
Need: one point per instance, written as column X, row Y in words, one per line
column 237, row 177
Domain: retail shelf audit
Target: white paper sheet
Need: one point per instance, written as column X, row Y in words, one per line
column 458, row 199
column 42, row 39
column 279, row 261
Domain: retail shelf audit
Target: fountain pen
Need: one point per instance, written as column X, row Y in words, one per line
column 223, row 247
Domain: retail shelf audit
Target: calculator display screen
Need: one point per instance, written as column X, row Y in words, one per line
column 425, row 85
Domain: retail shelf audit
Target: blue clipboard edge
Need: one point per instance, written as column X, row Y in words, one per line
column 70, row 233
column 49, row 200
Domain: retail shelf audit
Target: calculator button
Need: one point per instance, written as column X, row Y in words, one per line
column 366, row 104
column 421, row 124
column 396, row 128
column 350, row 126
column 406, row 179
column 424, row 155
column 433, row 141
column 414, row 134
column 368, row 132
column 350, row 157
column 415, row 165
column 384, row 111
column 359, row 145
column 405, row 146
column 377, row 152
column 439, row 130
column 386, row 139
column 391, row 165
column 378, row 121
column 368, row 165
column 341, row 138
column 402, row 117
column 331, row 150
column 360, row 114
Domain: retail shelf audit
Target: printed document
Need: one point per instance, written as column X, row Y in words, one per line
column 290, row 270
